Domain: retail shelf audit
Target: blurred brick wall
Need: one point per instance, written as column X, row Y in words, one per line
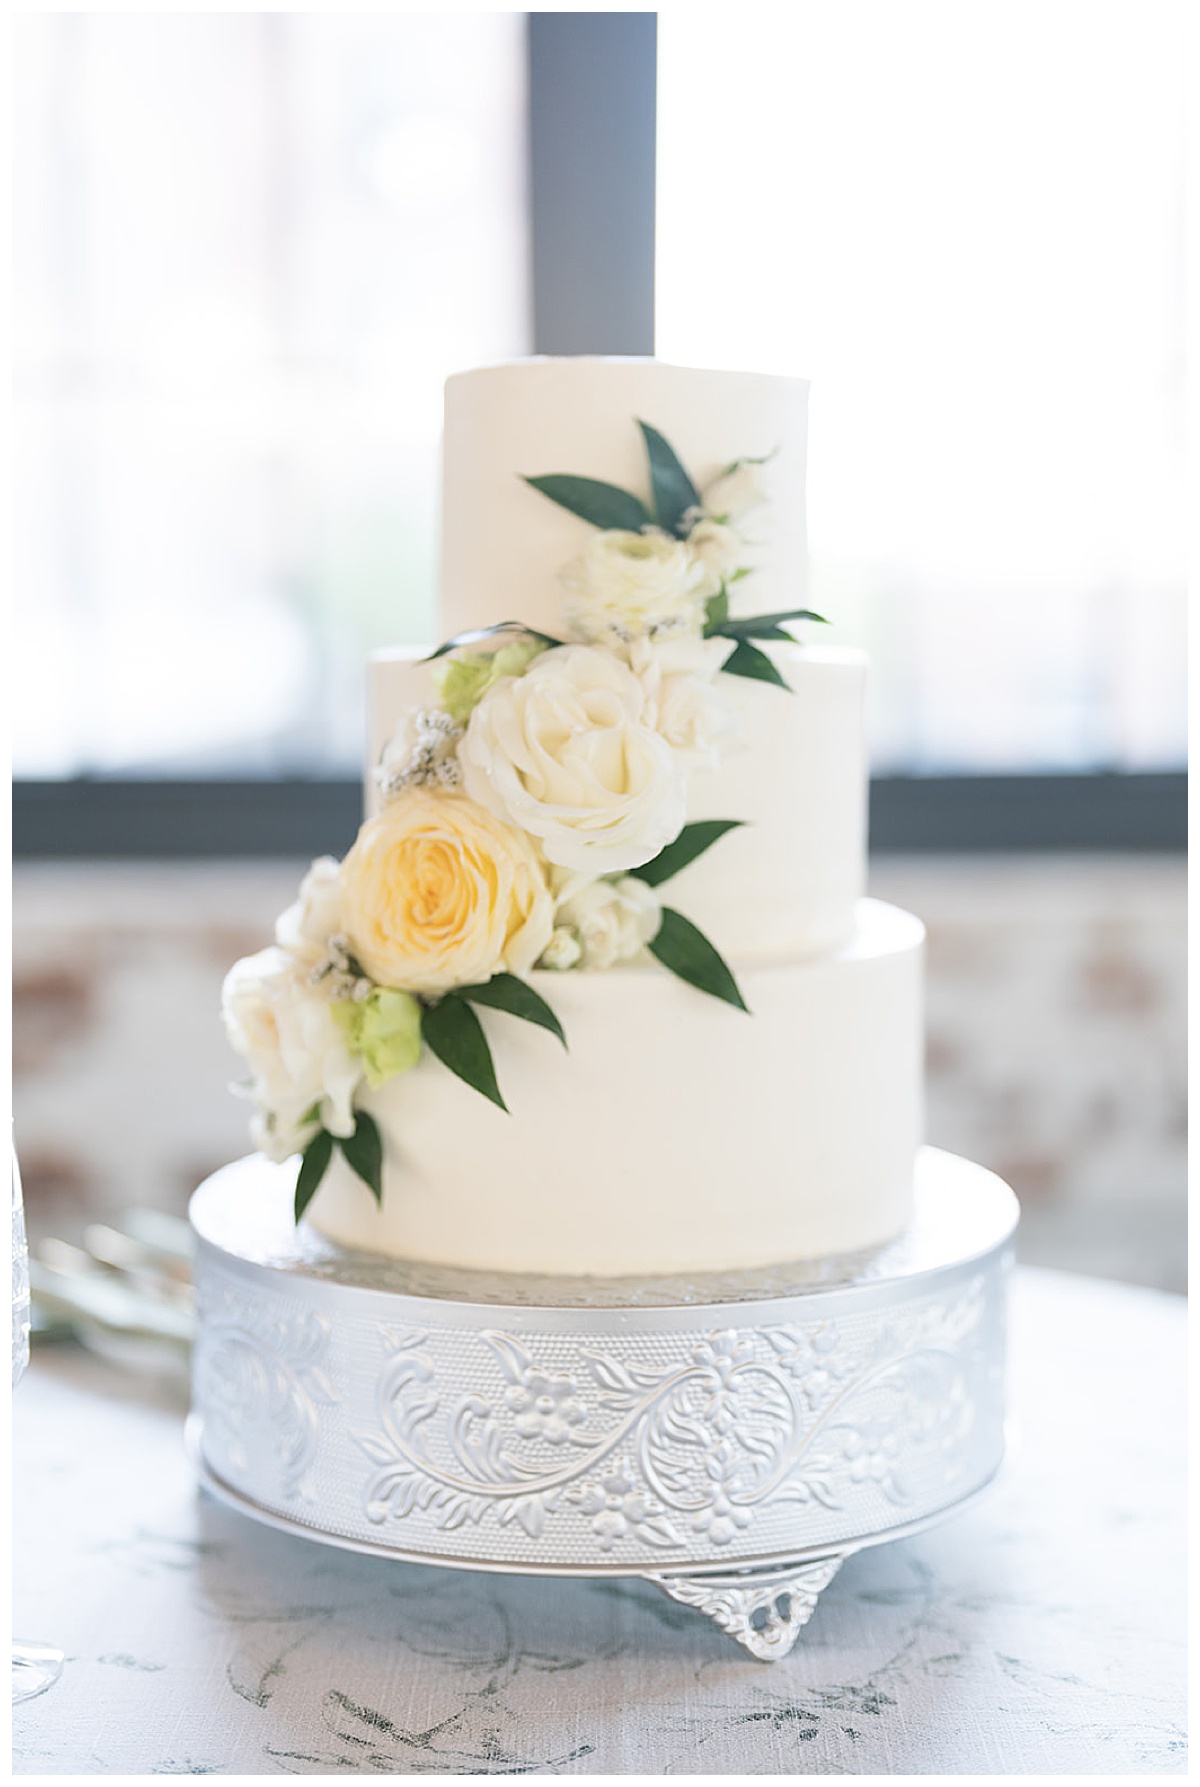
column 1055, row 1045
column 1055, row 1038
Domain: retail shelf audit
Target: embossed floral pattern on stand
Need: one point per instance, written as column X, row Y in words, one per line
column 260, row 1374
column 684, row 1456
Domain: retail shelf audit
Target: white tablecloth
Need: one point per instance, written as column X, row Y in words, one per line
column 1042, row 1631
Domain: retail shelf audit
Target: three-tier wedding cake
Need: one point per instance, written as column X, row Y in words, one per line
column 596, row 990
column 595, row 1236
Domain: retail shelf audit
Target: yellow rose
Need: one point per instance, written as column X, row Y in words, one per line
column 437, row 894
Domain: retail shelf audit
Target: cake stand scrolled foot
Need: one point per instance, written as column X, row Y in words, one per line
column 763, row 1609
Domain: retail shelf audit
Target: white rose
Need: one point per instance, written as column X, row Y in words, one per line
column 285, row 1028
column 613, row 919
column 719, row 548
column 569, row 753
column 685, row 704
column 624, row 585
column 315, row 916
column 735, row 492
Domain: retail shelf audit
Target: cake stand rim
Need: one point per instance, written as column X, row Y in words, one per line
column 865, row 1291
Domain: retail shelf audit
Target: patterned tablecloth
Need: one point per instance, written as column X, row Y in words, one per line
column 1042, row 1631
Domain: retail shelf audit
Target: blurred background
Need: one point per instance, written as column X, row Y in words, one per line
column 251, row 247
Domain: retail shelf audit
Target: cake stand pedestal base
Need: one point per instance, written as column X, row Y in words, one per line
column 763, row 1609
column 730, row 1437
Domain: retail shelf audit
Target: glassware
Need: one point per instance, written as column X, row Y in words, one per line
column 35, row 1667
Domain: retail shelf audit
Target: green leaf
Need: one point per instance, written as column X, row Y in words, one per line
column 674, row 492
column 313, row 1163
column 507, row 993
column 456, row 1037
column 692, row 842
column 688, row 953
column 764, row 626
column 716, row 610
column 604, row 505
column 364, row 1152
column 755, row 629
column 746, row 660
column 476, row 634
column 735, row 465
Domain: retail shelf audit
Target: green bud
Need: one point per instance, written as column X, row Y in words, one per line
column 384, row 1031
column 464, row 679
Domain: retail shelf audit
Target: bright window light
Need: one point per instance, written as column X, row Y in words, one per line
column 963, row 224
column 250, row 249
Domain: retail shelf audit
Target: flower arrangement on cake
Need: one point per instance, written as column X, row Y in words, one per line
column 529, row 820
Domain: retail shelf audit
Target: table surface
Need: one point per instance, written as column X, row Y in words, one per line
column 1041, row 1631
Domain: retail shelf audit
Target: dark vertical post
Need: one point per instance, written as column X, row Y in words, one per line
column 591, row 132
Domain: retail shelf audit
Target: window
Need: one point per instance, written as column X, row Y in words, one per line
column 964, row 224
column 251, row 247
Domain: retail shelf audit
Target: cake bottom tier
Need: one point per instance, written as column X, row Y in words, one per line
column 675, row 1135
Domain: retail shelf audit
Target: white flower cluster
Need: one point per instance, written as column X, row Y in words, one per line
column 422, row 752
column 514, row 813
column 588, row 751
column 626, row 586
column 279, row 1008
column 598, row 923
column 341, row 975
column 587, row 754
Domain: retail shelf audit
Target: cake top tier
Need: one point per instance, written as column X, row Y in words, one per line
column 504, row 544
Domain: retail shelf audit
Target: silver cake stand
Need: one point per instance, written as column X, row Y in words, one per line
column 731, row 1438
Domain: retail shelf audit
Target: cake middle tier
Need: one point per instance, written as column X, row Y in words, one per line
column 789, row 877
column 676, row 1135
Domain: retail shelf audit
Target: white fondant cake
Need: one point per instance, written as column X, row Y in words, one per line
column 676, row 1133
column 501, row 554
